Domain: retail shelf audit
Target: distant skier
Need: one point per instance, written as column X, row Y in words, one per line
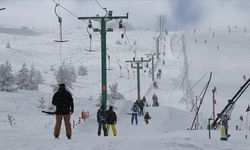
column 155, row 85
column 101, row 119
column 155, row 101
column 134, row 110
column 147, row 117
column 144, row 101
column 63, row 101
column 244, row 78
column 111, row 120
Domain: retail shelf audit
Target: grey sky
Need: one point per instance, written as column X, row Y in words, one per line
column 142, row 13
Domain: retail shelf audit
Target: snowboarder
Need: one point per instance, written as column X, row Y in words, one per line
column 147, row 117
column 63, row 101
column 101, row 119
column 134, row 110
column 111, row 120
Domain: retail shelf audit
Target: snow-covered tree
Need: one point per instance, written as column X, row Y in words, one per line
column 24, row 79
column 32, row 74
column 35, row 78
column 7, row 79
column 38, row 78
column 82, row 71
column 66, row 74
column 114, row 94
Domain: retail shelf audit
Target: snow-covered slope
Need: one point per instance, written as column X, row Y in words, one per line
column 185, row 63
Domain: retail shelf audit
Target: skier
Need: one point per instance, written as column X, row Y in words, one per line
column 155, row 85
column 155, row 100
column 134, row 113
column 63, row 101
column 144, row 100
column 244, row 78
column 147, row 117
column 101, row 119
column 111, row 120
column 141, row 107
column 224, row 122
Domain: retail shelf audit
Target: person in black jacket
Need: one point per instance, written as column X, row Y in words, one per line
column 63, row 101
column 101, row 119
column 111, row 120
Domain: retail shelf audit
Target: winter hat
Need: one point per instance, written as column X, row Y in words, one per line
column 111, row 107
column 61, row 85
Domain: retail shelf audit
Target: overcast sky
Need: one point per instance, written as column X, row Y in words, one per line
column 181, row 14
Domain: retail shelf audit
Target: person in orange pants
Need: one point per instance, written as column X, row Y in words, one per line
column 111, row 120
column 63, row 101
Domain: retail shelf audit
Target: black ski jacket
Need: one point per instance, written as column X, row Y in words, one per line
column 63, row 101
column 111, row 117
column 101, row 115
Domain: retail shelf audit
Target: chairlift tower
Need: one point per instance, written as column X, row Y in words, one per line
column 153, row 65
column 138, row 67
column 103, row 31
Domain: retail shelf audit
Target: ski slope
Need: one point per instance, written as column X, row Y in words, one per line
column 185, row 63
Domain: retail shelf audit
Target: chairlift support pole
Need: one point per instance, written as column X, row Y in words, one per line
column 153, row 65
column 138, row 67
column 103, row 31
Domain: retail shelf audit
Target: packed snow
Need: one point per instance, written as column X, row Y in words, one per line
column 186, row 61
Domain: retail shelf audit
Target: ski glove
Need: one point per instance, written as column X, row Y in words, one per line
column 71, row 111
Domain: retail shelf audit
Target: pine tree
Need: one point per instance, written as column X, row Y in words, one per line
column 66, row 74
column 38, row 78
column 7, row 79
column 23, row 78
column 32, row 74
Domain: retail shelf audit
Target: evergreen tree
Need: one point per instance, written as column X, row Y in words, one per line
column 38, row 78
column 66, row 74
column 7, row 79
column 32, row 75
column 23, row 78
